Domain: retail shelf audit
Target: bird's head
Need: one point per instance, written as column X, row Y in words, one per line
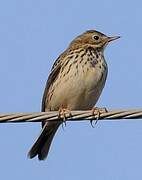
column 92, row 38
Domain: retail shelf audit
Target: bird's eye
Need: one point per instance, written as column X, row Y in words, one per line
column 96, row 38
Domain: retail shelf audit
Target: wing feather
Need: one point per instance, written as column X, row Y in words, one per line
column 52, row 77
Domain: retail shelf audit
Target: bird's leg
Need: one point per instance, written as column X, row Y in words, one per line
column 96, row 113
column 63, row 113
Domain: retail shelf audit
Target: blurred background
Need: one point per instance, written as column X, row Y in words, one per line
column 32, row 35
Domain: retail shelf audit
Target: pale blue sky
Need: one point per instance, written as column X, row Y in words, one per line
column 32, row 35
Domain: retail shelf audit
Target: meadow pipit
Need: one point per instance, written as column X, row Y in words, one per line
column 75, row 83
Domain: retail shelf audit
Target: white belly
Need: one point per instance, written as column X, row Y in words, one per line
column 79, row 91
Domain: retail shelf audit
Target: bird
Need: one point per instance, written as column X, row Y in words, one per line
column 75, row 82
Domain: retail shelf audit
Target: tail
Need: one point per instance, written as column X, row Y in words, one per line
column 42, row 145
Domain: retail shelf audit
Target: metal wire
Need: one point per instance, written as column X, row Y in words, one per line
column 75, row 116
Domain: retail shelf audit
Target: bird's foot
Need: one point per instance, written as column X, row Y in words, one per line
column 96, row 112
column 63, row 114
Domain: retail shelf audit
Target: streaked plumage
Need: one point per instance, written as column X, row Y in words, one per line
column 76, row 81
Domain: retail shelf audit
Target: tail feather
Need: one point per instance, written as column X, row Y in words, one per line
column 42, row 145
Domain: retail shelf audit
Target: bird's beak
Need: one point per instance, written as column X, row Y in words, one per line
column 113, row 38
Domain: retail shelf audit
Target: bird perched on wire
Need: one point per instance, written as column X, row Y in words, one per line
column 76, row 81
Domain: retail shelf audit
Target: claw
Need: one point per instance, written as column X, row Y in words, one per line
column 91, row 122
column 63, row 126
column 97, row 112
column 62, row 115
